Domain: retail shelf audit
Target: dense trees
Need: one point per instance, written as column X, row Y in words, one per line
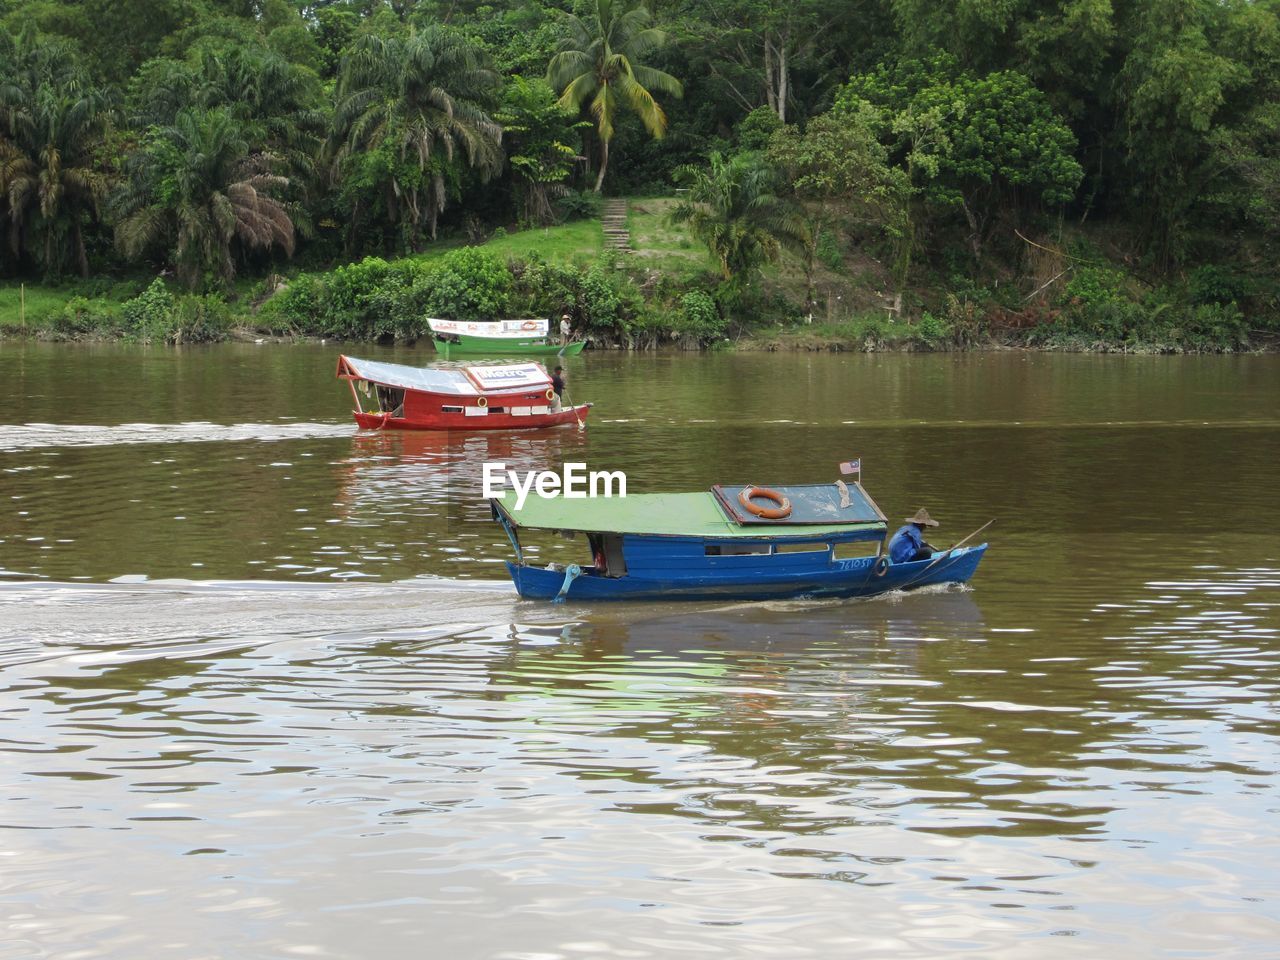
column 412, row 114
column 211, row 136
column 52, row 123
column 198, row 188
column 986, row 146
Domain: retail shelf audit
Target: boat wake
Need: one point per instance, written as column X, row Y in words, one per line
column 31, row 436
column 128, row 614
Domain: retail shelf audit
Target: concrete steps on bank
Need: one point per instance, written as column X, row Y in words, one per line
column 613, row 221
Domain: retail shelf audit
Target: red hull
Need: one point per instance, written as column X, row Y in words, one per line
column 439, row 420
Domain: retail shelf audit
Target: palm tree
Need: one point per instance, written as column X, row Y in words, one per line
column 276, row 102
column 198, row 185
column 732, row 207
column 408, row 108
column 599, row 61
column 51, row 123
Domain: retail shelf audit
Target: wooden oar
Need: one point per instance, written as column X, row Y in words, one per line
column 972, row 535
column 574, row 407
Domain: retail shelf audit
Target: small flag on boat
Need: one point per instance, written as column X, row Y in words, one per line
column 852, row 466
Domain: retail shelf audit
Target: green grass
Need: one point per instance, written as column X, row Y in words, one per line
column 571, row 242
column 46, row 303
column 661, row 245
column 580, row 239
column 41, row 303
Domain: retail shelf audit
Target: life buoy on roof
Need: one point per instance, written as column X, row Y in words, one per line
column 529, row 325
column 746, row 498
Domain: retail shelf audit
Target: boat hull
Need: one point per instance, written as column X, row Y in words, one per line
column 470, row 346
column 841, row 578
column 457, row 421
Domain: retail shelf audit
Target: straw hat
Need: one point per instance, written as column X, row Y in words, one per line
column 922, row 517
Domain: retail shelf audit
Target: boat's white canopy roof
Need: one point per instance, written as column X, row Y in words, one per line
column 493, row 329
column 462, row 381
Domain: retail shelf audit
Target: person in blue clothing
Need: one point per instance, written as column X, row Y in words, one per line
column 908, row 543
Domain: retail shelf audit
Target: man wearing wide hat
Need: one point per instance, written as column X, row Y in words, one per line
column 908, row 543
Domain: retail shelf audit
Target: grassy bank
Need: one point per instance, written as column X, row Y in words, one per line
column 35, row 308
column 666, row 292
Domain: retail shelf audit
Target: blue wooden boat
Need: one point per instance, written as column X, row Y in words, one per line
column 724, row 544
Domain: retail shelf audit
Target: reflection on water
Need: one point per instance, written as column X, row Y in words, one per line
column 292, row 708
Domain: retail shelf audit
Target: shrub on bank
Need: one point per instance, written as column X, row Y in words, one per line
column 374, row 299
column 199, row 319
column 81, row 316
column 366, row 300
column 156, row 314
column 1098, row 312
column 468, row 284
column 699, row 317
column 150, row 312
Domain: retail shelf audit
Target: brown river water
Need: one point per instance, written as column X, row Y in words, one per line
column 268, row 693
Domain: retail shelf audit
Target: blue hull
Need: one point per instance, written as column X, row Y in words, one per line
column 842, row 578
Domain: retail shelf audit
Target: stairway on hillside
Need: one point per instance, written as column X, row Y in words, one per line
column 614, row 222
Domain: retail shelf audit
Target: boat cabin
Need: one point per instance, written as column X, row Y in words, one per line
column 672, row 535
column 453, row 396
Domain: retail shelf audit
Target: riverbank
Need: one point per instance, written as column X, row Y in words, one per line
column 663, row 292
column 885, row 335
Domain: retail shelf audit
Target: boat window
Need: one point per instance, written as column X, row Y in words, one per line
column 736, row 549
column 802, row 548
column 856, row 549
column 450, row 409
column 391, row 399
column 497, row 409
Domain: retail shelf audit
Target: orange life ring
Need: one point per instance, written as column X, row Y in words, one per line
column 748, row 493
column 482, row 401
column 529, row 325
column 551, row 393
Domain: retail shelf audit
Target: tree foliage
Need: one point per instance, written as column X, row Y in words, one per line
column 197, row 188
column 411, row 113
column 839, row 167
column 733, row 206
column 599, row 64
column 52, row 124
column 986, row 145
column 540, row 140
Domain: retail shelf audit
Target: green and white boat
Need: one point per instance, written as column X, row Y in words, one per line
column 499, row 338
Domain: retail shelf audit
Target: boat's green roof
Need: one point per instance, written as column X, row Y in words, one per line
column 658, row 515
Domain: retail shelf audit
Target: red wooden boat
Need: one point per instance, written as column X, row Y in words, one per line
column 511, row 396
